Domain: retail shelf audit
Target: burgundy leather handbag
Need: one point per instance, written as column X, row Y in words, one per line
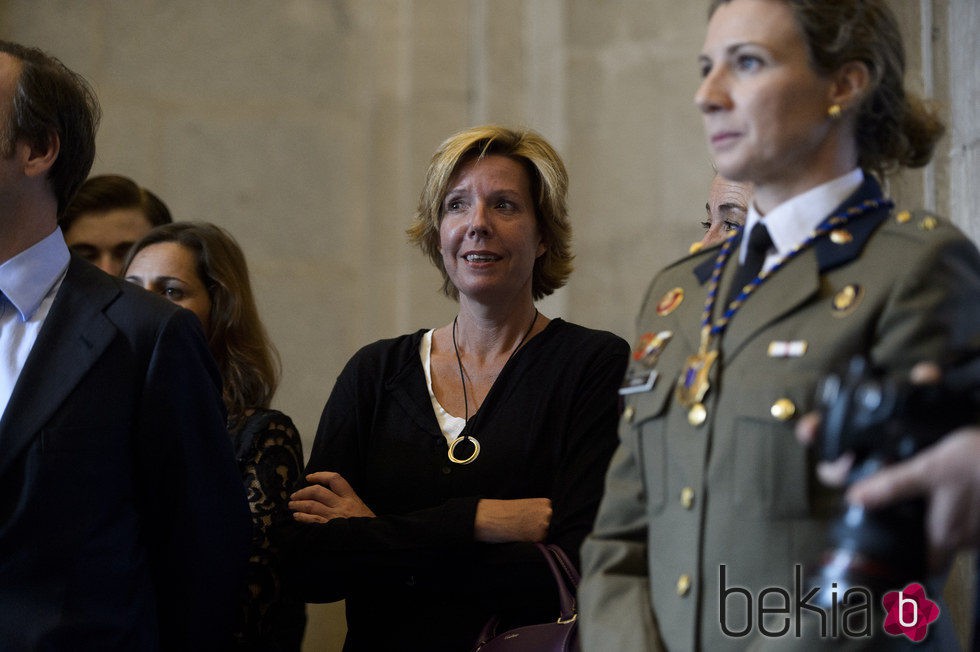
column 559, row 636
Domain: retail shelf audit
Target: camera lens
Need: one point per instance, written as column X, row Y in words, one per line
column 868, row 396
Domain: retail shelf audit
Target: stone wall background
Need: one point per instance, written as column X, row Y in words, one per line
column 304, row 127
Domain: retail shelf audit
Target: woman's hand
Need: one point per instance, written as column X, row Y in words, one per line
column 503, row 521
column 329, row 496
column 948, row 474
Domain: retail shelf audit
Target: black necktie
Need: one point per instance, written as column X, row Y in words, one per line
column 755, row 256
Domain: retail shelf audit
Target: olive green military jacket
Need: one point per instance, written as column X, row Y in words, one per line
column 690, row 496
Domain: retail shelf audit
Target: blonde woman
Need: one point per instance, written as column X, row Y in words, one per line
column 444, row 454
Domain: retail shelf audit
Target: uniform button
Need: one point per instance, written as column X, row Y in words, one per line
column 697, row 414
column 446, row 470
column 687, row 497
column 628, row 413
column 683, row 584
column 783, row 409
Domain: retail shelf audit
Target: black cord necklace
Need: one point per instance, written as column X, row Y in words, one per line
column 466, row 406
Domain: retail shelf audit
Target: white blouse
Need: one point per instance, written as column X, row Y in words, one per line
column 451, row 426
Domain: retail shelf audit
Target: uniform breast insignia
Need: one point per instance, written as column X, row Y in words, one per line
column 650, row 346
column 847, row 300
column 638, row 380
column 669, row 302
column 792, row 349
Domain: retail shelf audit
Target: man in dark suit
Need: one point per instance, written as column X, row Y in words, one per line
column 123, row 522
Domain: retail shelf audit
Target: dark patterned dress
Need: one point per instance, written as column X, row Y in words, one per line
column 270, row 457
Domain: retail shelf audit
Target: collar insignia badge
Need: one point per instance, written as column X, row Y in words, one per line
column 669, row 302
column 650, row 346
column 847, row 300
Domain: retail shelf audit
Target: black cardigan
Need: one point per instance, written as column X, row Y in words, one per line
column 414, row 576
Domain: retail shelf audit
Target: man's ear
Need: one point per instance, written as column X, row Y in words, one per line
column 851, row 84
column 39, row 159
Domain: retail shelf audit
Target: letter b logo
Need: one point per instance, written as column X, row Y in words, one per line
column 909, row 612
column 904, row 602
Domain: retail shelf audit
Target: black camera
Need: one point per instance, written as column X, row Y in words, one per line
column 882, row 420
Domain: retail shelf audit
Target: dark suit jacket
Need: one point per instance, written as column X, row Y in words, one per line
column 123, row 521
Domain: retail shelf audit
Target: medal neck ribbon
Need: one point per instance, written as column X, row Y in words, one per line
column 711, row 330
column 693, row 383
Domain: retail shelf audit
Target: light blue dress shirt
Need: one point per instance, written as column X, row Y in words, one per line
column 28, row 284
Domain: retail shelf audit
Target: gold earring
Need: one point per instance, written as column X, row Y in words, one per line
column 834, row 111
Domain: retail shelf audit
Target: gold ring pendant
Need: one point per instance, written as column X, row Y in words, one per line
column 473, row 455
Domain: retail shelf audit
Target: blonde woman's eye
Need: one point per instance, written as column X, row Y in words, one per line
column 455, row 205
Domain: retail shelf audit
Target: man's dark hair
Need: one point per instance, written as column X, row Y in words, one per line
column 107, row 192
column 51, row 100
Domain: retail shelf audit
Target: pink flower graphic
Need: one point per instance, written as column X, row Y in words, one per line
column 909, row 612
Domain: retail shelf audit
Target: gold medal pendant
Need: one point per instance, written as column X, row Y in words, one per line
column 693, row 382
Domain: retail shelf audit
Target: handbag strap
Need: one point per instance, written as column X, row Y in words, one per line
column 566, row 577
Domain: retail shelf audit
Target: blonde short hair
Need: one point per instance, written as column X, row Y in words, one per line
column 549, row 186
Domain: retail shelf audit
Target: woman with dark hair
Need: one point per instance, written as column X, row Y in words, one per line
column 107, row 215
column 200, row 267
column 443, row 455
column 712, row 510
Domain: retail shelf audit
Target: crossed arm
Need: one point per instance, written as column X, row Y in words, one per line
column 330, row 496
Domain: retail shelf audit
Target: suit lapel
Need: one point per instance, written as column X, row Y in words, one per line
column 686, row 318
column 688, row 314
column 782, row 294
column 702, row 273
column 73, row 337
column 703, row 269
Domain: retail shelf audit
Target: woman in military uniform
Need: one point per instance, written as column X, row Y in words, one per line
column 709, row 500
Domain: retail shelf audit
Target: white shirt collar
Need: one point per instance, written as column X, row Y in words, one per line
column 27, row 278
column 791, row 222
